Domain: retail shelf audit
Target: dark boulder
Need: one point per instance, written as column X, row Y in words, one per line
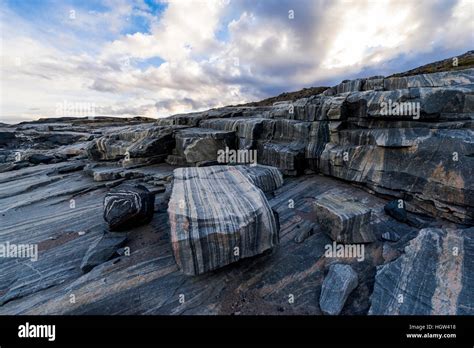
column 38, row 158
column 128, row 206
column 6, row 138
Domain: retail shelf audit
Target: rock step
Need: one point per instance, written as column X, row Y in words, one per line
column 343, row 218
column 266, row 178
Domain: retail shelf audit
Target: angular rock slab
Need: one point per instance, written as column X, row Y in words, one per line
column 343, row 218
column 102, row 250
column 128, row 206
column 201, row 144
column 435, row 276
column 218, row 216
column 336, row 288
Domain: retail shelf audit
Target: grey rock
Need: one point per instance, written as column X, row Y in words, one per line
column 7, row 137
column 266, row 178
column 389, row 253
column 200, row 144
column 340, row 281
column 343, row 136
column 134, row 142
column 304, row 233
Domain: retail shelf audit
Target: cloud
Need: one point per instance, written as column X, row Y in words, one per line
column 157, row 58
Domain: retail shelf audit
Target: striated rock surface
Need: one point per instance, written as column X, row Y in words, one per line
column 266, row 178
column 423, row 156
column 128, row 206
column 434, row 276
column 218, row 216
column 337, row 286
column 344, row 218
column 419, row 149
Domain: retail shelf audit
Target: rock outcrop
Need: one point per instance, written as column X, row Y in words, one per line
column 348, row 154
column 195, row 145
column 218, row 216
column 135, row 144
column 434, row 276
column 374, row 132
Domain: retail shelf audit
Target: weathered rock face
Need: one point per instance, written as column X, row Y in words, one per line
column 7, row 137
column 374, row 132
column 136, row 142
column 345, row 219
column 127, row 206
column 286, row 148
column 39, row 158
column 247, row 130
column 218, row 216
column 422, row 154
column 194, row 145
column 337, row 286
column 434, row 276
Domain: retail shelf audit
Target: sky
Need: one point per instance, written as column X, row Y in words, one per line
column 157, row 58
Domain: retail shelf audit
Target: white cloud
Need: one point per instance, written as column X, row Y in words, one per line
column 214, row 53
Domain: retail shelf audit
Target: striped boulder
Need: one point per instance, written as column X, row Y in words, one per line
column 128, row 206
column 217, row 217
